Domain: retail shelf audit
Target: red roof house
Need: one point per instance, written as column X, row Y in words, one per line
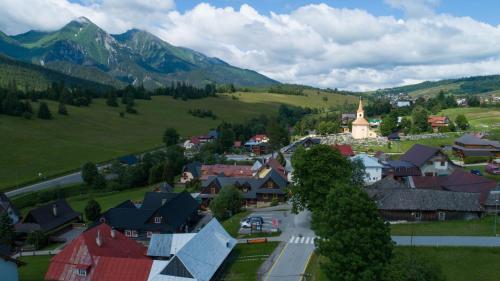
column 458, row 181
column 344, row 149
column 240, row 171
column 259, row 138
column 438, row 121
column 100, row 254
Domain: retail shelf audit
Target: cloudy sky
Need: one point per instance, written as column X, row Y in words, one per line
column 348, row 44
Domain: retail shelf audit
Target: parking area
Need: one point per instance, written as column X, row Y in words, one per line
column 272, row 222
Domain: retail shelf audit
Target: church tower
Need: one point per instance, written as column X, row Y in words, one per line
column 361, row 127
column 361, row 111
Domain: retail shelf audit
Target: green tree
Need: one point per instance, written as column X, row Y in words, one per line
column 7, row 233
column 352, row 237
column 156, row 173
column 89, row 173
column 413, row 267
column 405, row 125
column 462, row 122
column 62, row 109
column 170, row 137
column 43, row 111
column 226, row 138
column 99, row 182
column 111, row 99
column 389, row 124
column 92, row 210
column 278, row 135
column 226, row 203
column 38, row 239
column 281, row 159
column 420, row 116
column 358, row 172
column 315, row 172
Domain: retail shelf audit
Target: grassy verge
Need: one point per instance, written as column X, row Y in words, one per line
column 260, row 235
column 457, row 263
column 481, row 227
column 247, row 258
column 486, row 175
column 232, row 225
column 35, row 268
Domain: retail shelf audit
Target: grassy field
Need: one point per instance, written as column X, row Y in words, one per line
column 232, row 225
column 457, row 263
column 35, row 268
column 106, row 200
column 311, row 99
column 247, row 260
column 403, row 146
column 483, row 119
column 481, row 227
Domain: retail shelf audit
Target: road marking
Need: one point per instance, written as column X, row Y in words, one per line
column 307, row 240
column 275, row 262
column 302, row 239
column 291, row 239
column 312, row 240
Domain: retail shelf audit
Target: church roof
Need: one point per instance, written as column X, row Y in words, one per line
column 360, row 107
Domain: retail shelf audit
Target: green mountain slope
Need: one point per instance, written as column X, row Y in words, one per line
column 462, row 86
column 84, row 50
column 38, row 78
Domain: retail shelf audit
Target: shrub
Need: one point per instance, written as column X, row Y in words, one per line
column 38, row 239
column 476, row 159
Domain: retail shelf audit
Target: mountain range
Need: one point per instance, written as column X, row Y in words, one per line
column 82, row 49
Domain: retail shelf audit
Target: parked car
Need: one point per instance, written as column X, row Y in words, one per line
column 248, row 222
column 476, row 172
column 493, row 168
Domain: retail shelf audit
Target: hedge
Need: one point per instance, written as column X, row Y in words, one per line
column 476, row 159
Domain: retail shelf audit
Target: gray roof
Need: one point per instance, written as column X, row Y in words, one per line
column 469, row 139
column 418, row 154
column 166, row 245
column 203, row 254
column 427, row 200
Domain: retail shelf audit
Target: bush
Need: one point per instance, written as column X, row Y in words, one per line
column 44, row 112
column 92, row 210
column 227, row 203
column 476, row 159
column 274, row 202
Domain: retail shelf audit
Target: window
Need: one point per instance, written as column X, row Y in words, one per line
column 157, row 219
column 265, row 196
column 442, row 216
column 212, row 190
column 149, row 234
column 443, row 163
column 81, row 272
column 270, row 184
column 128, row 233
column 134, row 233
column 418, row 215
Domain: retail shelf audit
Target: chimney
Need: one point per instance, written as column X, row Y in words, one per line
column 54, row 210
column 98, row 240
column 113, row 233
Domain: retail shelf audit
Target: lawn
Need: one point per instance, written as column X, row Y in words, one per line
column 232, row 225
column 481, row 169
column 99, row 134
column 481, row 227
column 403, row 146
column 457, row 263
column 480, row 118
column 107, row 200
column 246, row 260
column 35, row 268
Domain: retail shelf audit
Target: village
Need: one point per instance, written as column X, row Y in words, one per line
column 235, row 220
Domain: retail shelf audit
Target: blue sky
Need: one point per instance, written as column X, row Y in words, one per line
column 483, row 10
column 346, row 44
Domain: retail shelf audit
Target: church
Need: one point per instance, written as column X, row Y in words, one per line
column 361, row 127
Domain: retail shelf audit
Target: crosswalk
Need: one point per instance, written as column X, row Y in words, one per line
column 302, row 240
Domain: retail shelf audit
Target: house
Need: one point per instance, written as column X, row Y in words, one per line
column 159, row 213
column 374, row 123
column 403, row 103
column 461, row 101
column 192, row 257
column 361, row 127
column 492, row 202
column 306, row 143
column 128, row 160
column 470, row 145
column 406, row 204
column 191, row 171
column 344, row 149
column 255, row 190
column 258, row 144
column 394, row 136
column 399, row 169
column 345, row 120
column 381, row 156
column 373, row 169
column 8, row 265
column 6, row 206
column 226, row 171
column 271, row 164
column 430, row 160
column 458, row 181
column 100, row 254
column 438, row 121
column 49, row 217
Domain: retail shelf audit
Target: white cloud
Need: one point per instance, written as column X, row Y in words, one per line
column 314, row 44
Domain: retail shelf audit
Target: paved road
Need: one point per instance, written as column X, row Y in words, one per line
column 467, row 241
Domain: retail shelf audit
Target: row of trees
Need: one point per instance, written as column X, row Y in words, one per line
column 202, row 113
column 354, row 240
column 185, row 91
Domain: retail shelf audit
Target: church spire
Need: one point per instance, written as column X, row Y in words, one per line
column 360, row 107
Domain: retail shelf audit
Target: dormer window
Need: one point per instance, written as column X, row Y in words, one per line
column 270, row 184
column 157, row 219
column 81, row 272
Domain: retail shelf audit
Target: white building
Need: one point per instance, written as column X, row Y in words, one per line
column 361, row 127
column 373, row 168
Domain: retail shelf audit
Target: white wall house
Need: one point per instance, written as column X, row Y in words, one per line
column 373, row 168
